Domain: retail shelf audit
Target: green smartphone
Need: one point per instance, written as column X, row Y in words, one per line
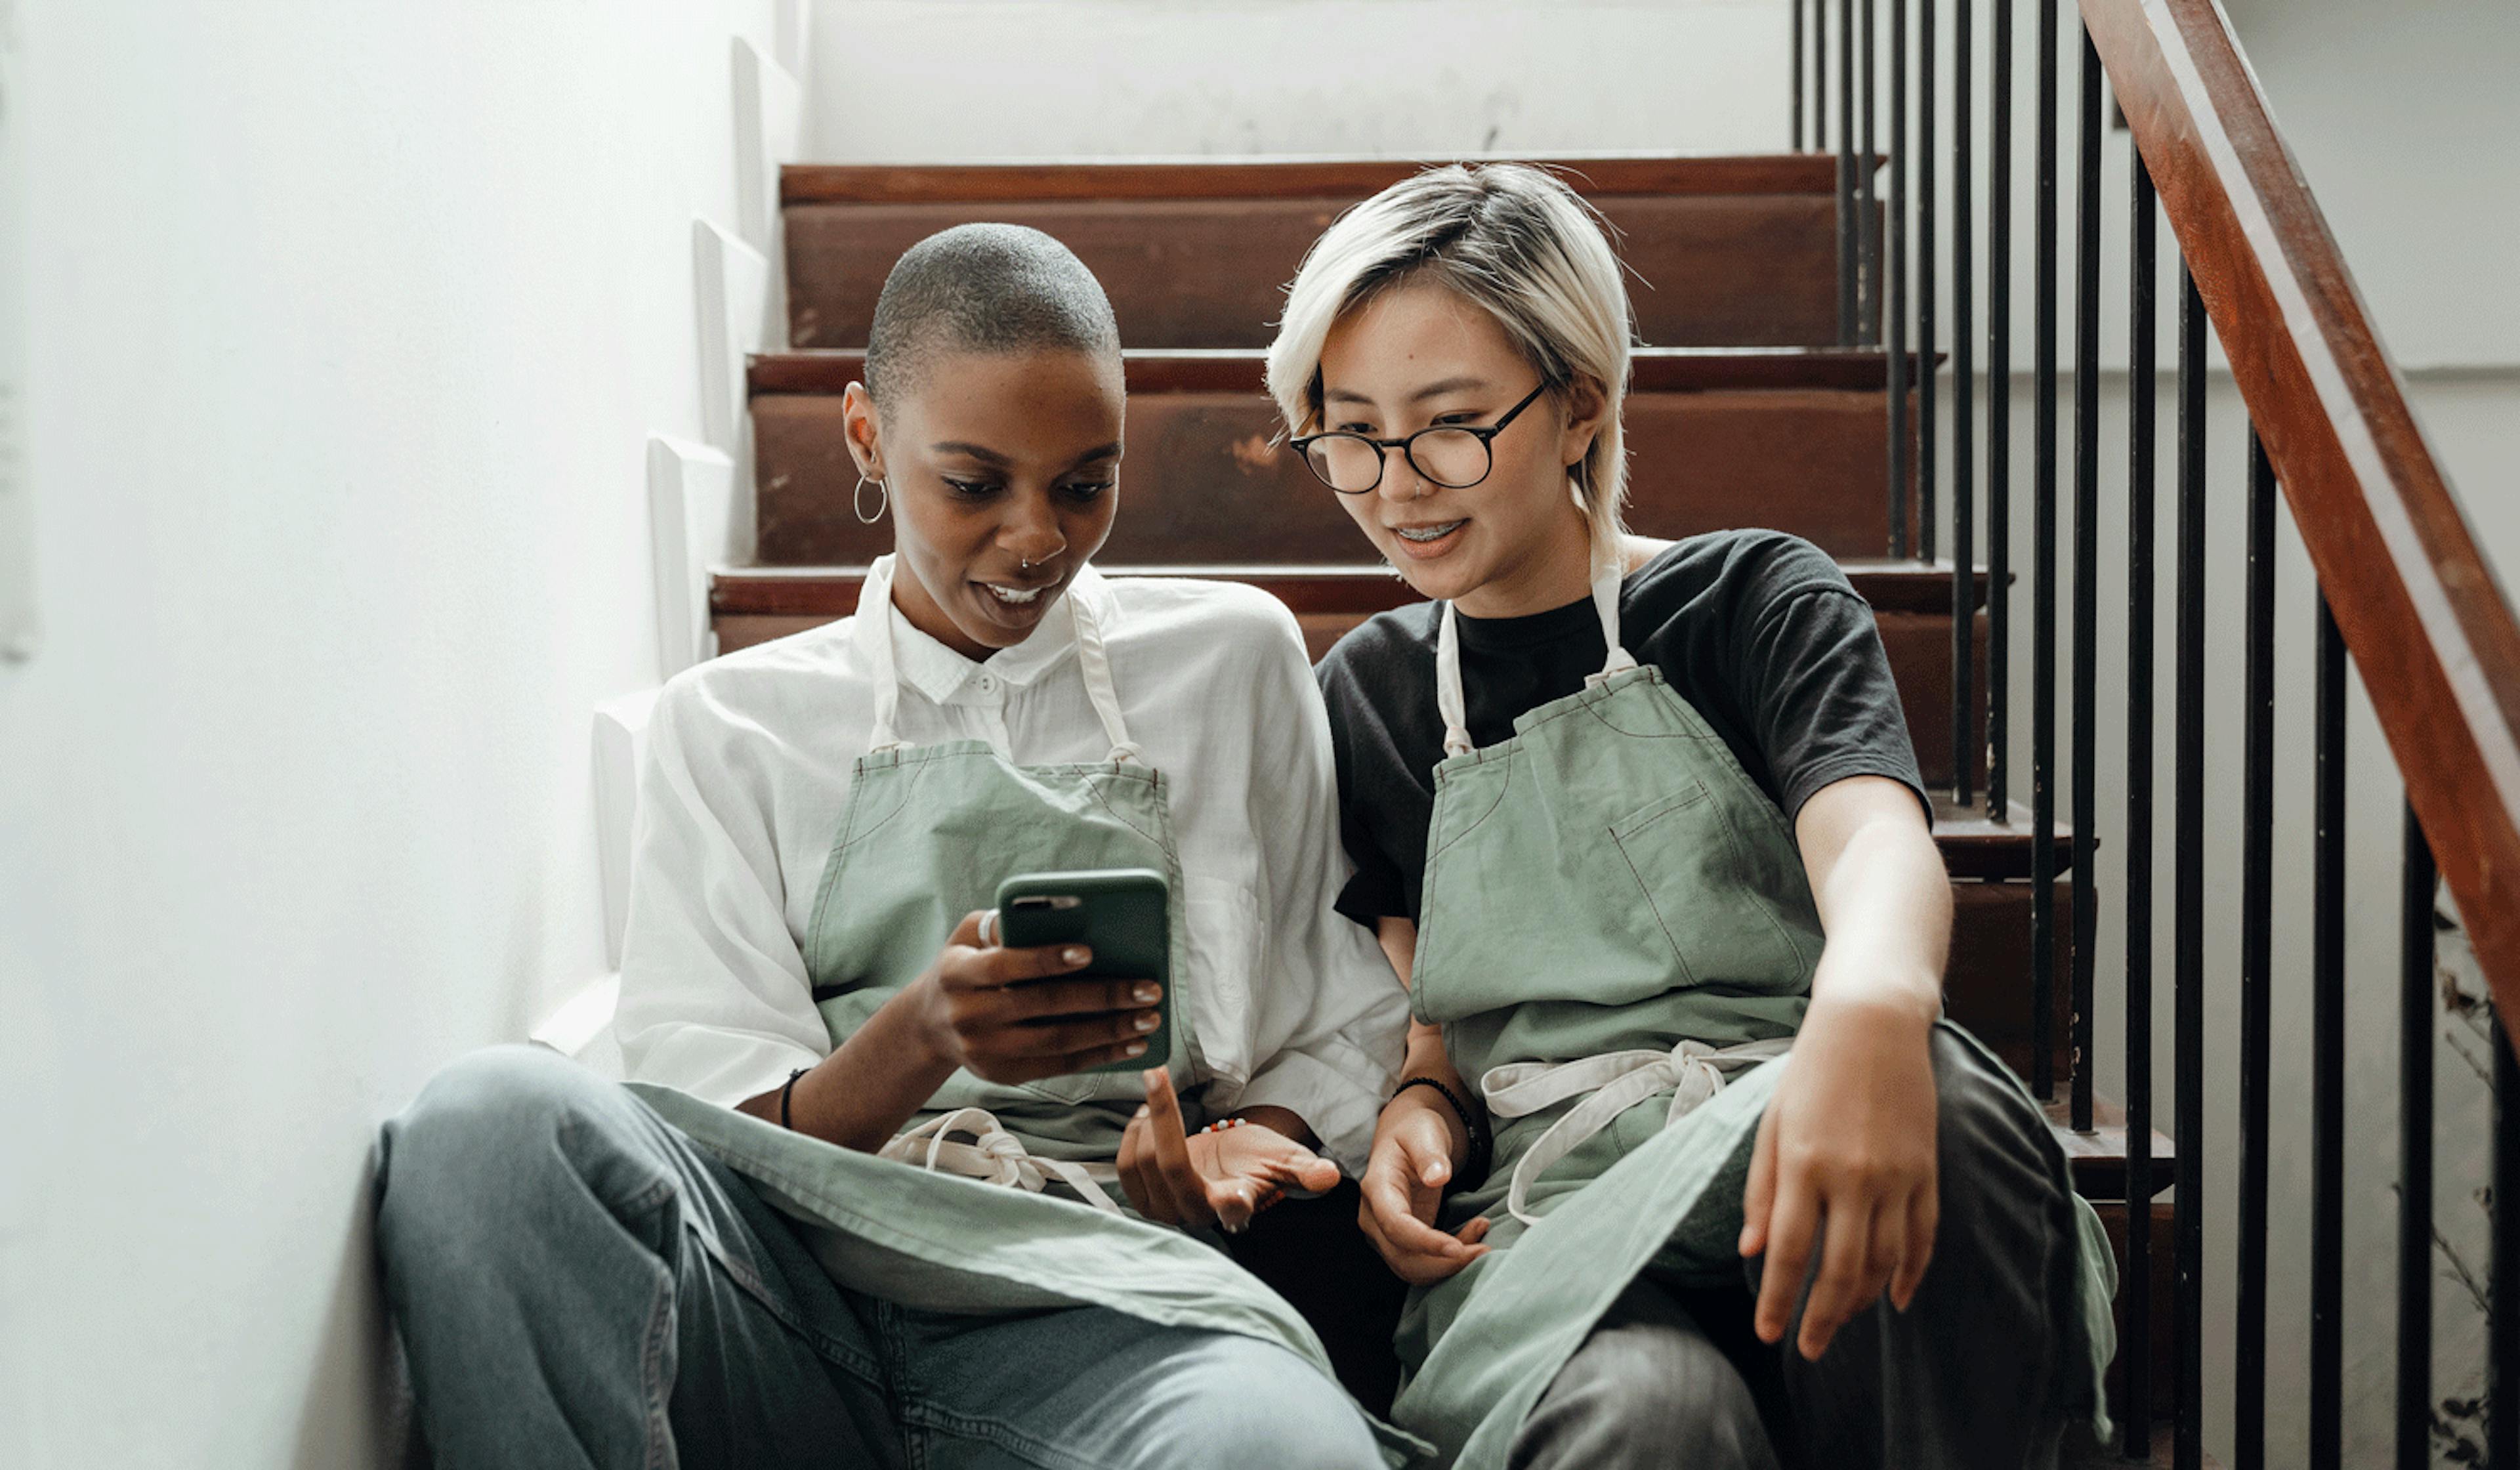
column 1121, row 914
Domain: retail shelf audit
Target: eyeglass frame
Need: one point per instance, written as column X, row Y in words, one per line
column 1485, row 434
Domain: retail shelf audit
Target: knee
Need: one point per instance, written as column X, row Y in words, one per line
column 1635, row 1395
column 1984, row 1121
column 488, row 1132
column 2002, row 1178
column 1271, row 1408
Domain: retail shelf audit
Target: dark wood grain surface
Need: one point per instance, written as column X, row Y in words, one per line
column 1597, row 174
column 1723, row 269
column 1207, row 479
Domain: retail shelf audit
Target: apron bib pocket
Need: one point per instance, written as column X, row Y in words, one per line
column 1686, row 859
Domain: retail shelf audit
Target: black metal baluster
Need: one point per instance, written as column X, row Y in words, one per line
column 1898, row 274
column 1928, row 431
column 1868, row 253
column 1999, row 435
column 2502, row 1350
column 2416, row 1023
column 1819, row 75
column 2328, row 1054
column 2087, row 570
column 1848, row 253
column 2187, row 841
column 1965, row 745
column 1798, row 76
column 2043, row 549
column 2134, row 1355
column 2256, row 940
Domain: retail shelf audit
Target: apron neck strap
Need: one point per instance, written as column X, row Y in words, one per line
column 1094, row 661
column 1449, row 700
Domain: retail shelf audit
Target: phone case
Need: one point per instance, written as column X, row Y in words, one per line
column 1121, row 913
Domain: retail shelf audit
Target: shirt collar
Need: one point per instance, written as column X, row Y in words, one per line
column 941, row 674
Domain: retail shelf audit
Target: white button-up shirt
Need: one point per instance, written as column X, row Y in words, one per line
column 749, row 759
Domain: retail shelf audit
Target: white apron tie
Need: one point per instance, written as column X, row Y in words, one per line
column 1449, row 701
column 996, row 1157
column 1616, row 1081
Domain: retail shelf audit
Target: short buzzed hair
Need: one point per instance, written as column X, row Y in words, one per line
column 983, row 287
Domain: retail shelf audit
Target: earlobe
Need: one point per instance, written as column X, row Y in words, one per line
column 860, row 428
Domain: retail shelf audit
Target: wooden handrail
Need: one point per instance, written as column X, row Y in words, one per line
column 2432, row 633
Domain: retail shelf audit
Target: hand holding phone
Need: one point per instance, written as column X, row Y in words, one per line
column 1122, row 916
column 1015, row 1015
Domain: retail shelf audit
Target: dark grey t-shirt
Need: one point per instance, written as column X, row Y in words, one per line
column 1758, row 630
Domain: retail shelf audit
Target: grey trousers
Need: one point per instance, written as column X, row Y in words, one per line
column 1978, row 1371
column 577, row 1285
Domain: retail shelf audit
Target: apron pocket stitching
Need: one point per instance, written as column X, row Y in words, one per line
column 1759, row 900
column 1664, row 924
column 1122, row 817
column 1595, row 710
column 1504, row 783
column 907, row 790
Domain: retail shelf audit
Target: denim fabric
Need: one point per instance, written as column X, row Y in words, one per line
column 577, row 1285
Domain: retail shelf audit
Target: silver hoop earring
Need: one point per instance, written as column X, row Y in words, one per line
column 882, row 499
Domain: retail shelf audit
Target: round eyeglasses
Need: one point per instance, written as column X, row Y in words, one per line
column 1455, row 456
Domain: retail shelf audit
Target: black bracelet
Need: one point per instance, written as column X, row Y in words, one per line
column 1475, row 1168
column 786, row 1089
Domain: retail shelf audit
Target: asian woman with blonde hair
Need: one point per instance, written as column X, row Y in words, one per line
column 1684, row 1165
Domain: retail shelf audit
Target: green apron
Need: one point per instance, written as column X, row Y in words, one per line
column 934, row 1222
column 1617, row 937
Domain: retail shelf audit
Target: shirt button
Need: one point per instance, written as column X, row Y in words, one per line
column 988, row 684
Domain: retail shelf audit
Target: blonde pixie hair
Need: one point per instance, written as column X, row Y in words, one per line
column 1506, row 237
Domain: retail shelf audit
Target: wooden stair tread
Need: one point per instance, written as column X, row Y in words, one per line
column 1208, row 478
column 1280, row 177
column 1977, row 846
column 2099, row 1158
column 1192, row 264
column 832, row 592
column 1240, row 370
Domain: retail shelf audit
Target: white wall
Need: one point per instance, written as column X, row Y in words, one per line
column 349, row 324
column 946, row 80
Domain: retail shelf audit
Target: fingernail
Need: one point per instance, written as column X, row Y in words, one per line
column 1075, row 954
column 1147, row 995
column 1137, row 1048
column 1146, row 1021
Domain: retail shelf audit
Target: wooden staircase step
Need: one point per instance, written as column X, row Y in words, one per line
column 1267, row 177
column 2099, row 1158
column 1978, row 846
column 1791, row 439
column 1197, row 253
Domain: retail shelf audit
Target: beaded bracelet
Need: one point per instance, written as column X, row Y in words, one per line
column 1222, row 1123
column 1475, row 1166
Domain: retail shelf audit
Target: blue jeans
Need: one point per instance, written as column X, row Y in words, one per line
column 578, row 1284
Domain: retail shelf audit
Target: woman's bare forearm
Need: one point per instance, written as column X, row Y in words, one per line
column 1884, row 898
column 860, row 1096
